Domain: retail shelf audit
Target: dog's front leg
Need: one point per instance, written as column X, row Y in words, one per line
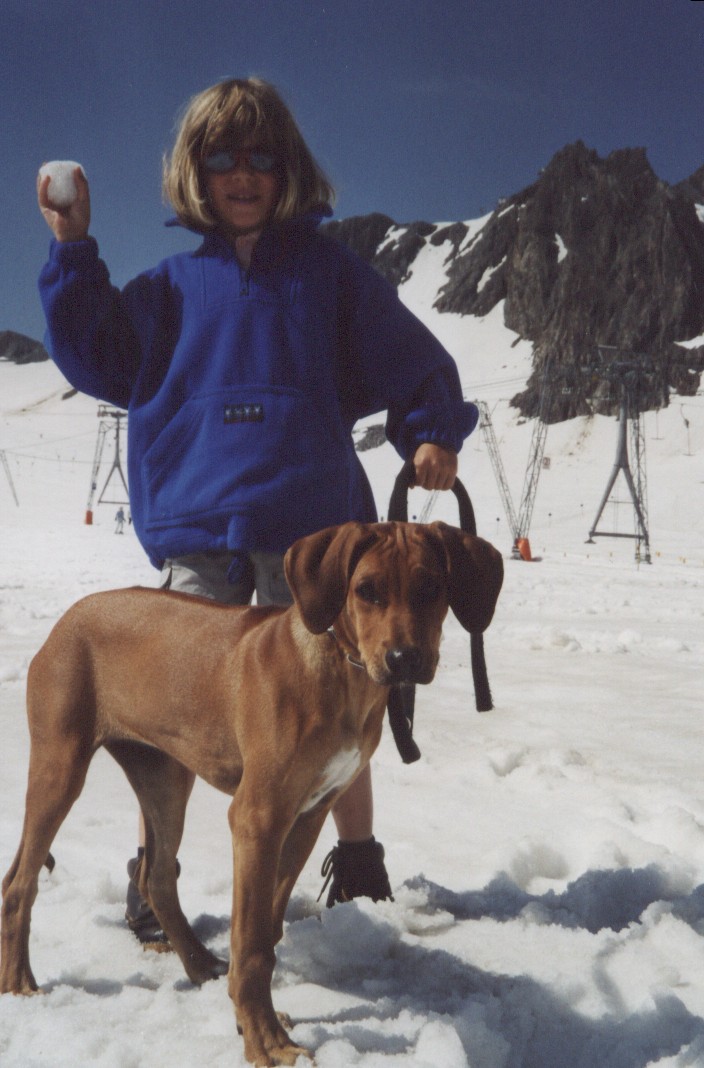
column 257, row 837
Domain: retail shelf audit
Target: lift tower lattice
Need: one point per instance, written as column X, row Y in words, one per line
column 519, row 522
column 628, row 371
column 110, row 420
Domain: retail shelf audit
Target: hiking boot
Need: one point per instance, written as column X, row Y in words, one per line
column 356, row 870
column 141, row 918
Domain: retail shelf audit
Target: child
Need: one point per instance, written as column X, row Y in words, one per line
column 244, row 366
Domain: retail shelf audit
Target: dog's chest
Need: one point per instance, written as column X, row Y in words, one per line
column 337, row 773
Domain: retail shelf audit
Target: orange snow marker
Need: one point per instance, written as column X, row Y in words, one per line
column 523, row 546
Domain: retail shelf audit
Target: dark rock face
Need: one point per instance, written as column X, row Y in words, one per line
column 605, row 254
column 373, row 437
column 597, row 252
column 693, row 187
column 377, row 239
column 363, row 233
column 17, row 348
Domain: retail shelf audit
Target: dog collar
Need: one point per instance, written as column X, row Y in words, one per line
column 348, row 656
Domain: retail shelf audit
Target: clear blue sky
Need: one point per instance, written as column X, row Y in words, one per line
column 421, row 109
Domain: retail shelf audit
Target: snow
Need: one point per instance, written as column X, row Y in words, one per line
column 486, row 276
column 693, row 343
column 547, row 858
column 474, row 229
column 62, row 187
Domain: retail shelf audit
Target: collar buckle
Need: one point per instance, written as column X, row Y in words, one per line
column 348, row 656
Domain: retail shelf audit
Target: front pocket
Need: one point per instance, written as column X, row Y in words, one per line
column 245, row 450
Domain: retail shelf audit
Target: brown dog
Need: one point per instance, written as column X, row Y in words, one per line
column 280, row 708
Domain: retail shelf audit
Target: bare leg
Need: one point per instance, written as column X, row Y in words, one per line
column 353, row 812
column 356, row 864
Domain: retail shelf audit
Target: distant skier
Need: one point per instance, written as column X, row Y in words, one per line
column 120, row 521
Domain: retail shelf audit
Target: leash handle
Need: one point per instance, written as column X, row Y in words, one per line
column 405, row 480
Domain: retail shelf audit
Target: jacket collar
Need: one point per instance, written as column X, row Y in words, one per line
column 274, row 238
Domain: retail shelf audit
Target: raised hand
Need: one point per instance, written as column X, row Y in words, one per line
column 72, row 221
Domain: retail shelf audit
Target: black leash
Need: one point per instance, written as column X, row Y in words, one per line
column 401, row 703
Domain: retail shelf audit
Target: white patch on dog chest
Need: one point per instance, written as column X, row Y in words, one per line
column 337, row 772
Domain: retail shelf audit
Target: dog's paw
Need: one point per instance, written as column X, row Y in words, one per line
column 18, row 980
column 269, row 1045
column 281, row 1054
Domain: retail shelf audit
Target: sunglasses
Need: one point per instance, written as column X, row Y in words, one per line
column 255, row 159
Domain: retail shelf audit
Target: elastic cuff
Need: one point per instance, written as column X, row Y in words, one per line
column 74, row 251
column 447, row 428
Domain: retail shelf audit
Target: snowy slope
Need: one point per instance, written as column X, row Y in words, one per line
column 547, row 858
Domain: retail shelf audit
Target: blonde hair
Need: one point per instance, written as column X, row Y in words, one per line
column 233, row 112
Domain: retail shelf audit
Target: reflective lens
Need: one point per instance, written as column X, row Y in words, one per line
column 253, row 158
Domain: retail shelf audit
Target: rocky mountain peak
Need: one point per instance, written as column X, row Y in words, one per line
column 596, row 252
column 18, row 348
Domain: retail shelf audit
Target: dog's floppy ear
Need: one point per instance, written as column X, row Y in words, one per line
column 319, row 567
column 475, row 573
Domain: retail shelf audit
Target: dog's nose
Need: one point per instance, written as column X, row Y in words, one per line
column 404, row 663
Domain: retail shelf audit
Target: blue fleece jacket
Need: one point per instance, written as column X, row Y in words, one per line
column 243, row 386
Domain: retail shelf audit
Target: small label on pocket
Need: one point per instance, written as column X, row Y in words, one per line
column 244, row 413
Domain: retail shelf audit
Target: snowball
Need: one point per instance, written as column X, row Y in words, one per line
column 62, row 187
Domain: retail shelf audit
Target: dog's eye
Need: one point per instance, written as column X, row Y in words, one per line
column 366, row 591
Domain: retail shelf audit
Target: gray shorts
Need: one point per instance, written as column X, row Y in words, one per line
column 206, row 574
